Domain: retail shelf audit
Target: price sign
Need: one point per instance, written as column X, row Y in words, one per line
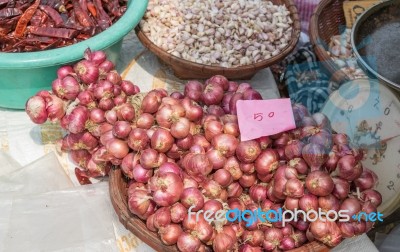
column 264, row 117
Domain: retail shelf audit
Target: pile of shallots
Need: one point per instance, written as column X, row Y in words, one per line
column 182, row 151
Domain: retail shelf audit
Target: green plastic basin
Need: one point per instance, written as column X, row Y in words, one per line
column 24, row 74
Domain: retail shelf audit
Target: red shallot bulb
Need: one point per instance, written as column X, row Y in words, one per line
column 128, row 162
column 212, row 129
column 294, row 188
column 251, row 94
column 254, row 238
column 299, row 164
column 212, row 94
column 352, row 206
column 138, row 139
column 145, row 121
column 225, row 101
column 248, row 151
column 122, row 129
column 178, row 212
column 36, row 109
column 373, row 196
column 87, row 71
column 258, row 192
column 232, row 86
column 141, row 174
column 114, row 77
column 167, row 188
column 329, row 202
column 193, row 90
column 162, row 140
column 66, row 88
column 213, row 206
column 223, row 242
column 349, row 168
column 170, row 234
column 291, row 203
column 287, row 243
column 234, row 190
column 319, row 183
column 215, row 110
column 315, row 155
column 294, row 149
column 162, row 217
column 64, row 71
column 223, row 177
column 188, row 243
column 327, row 232
column 232, row 103
column 308, row 202
column 55, row 108
column 272, row 239
column 220, row 81
column 77, row 119
column 118, row 148
column 267, row 162
column 341, row 188
column 216, row 158
column 192, row 198
column 180, row 129
column 140, row 203
column 129, row 88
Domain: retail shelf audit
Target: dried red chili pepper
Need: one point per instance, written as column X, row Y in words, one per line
column 34, row 25
column 7, row 26
column 54, row 32
column 9, row 13
column 3, row 2
column 53, row 14
column 92, row 9
column 102, row 19
column 81, row 15
column 25, row 18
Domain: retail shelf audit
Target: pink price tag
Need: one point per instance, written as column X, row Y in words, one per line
column 264, row 117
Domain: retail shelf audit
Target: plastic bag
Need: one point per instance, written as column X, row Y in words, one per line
column 77, row 219
column 42, row 175
column 8, row 164
column 356, row 244
column 126, row 241
column 5, row 210
column 388, row 242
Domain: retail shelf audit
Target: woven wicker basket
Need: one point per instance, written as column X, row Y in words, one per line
column 119, row 199
column 326, row 22
column 185, row 69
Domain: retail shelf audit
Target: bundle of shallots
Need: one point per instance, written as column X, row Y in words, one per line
column 182, row 153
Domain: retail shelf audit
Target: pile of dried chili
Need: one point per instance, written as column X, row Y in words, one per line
column 36, row 25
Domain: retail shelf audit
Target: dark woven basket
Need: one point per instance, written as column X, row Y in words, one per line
column 119, row 199
column 185, row 69
column 327, row 21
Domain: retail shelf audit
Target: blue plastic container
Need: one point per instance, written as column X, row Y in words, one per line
column 24, row 74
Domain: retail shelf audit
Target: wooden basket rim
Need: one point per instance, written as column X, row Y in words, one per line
column 139, row 229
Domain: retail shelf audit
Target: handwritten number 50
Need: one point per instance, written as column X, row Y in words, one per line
column 259, row 116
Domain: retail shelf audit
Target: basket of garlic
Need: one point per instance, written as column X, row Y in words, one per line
column 199, row 39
